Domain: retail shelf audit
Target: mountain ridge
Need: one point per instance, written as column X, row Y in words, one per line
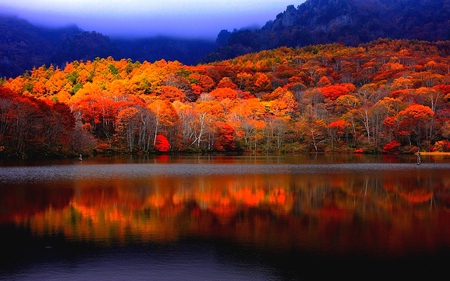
column 350, row 22
column 24, row 46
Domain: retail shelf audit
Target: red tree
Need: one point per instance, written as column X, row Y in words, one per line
column 391, row 147
column 335, row 91
column 162, row 144
column 225, row 136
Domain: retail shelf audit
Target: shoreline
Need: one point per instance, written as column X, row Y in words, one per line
column 434, row 153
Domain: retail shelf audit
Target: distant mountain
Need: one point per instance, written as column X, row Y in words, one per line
column 350, row 22
column 186, row 51
column 24, row 46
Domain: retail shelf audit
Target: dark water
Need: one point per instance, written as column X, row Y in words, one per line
column 225, row 218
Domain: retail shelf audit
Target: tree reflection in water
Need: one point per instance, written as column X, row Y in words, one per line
column 346, row 211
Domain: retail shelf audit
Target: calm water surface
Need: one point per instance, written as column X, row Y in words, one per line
column 225, row 218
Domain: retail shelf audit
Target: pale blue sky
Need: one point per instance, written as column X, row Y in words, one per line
column 195, row 18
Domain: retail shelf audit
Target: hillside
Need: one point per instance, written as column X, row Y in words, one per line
column 350, row 22
column 387, row 96
column 24, row 46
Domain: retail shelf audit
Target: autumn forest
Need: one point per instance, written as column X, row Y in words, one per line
column 387, row 96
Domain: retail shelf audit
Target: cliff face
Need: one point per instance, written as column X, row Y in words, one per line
column 286, row 19
column 350, row 22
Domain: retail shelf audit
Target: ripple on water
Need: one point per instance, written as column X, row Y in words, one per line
column 35, row 174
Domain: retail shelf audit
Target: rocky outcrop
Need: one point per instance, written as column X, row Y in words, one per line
column 351, row 22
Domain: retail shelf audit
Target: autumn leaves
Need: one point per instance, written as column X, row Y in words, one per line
column 318, row 98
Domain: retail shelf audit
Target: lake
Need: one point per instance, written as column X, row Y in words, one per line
column 225, row 218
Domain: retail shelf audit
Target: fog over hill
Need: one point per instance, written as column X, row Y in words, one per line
column 351, row 22
column 24, row 46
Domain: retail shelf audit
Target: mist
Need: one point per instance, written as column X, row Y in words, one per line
column 182, row 21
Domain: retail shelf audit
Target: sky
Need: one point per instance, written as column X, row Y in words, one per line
column 140, row 18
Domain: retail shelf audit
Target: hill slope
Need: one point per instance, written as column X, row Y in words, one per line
column 385, row 96
column 350, row 22
column 24, row 46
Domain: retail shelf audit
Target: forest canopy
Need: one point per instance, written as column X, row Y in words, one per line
column 387, row 96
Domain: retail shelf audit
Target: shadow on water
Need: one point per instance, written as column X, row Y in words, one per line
column 197, row 259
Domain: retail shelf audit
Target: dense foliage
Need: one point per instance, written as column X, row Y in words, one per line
column 34, row 126
column 386, row 96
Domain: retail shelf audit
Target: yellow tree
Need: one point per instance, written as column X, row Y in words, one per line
column 313, row 130
column 128, row 123
column 89, row 90
column 402, row 83
column 347, row 102
column 430, row 97
column 188, row 117
column 247, row 119
column 165, row 115
column 208, row 113
column 245, row 81
column 16, row 84
column 39, row 89
column 58, row 82
column 117, row 89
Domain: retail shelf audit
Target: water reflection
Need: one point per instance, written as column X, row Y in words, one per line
column 330, row 210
